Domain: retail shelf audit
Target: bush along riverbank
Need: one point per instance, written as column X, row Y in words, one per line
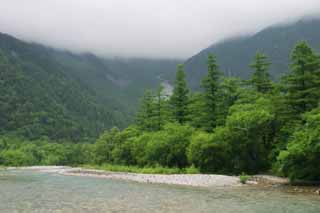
column 142, row 170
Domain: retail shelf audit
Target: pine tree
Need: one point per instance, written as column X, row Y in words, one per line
column 303, row 83
column 146, row 113
column 210, row 86
column 160, row 108
column 228, row 94
column 260, row 78
column 179, row 100
column 196, row 110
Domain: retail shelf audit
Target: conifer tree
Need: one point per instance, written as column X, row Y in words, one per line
column 196, row 110
column 303, row 83
column 160, row 108
column 210, row 86
column 179, row 100
column 146, row 112
column 228, row 94
column 260, row 78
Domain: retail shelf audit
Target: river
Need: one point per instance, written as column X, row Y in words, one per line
column 27, row 191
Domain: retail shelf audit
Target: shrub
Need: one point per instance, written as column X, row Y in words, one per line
column 17, row 158
column 244, row 178
column 192, row 170
column 250, row 136
column 300, row 161
column 208, row 152
column 136, row 169
column 168, row 146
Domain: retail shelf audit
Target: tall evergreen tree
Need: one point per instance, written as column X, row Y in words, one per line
column 196, row 110
column 303, row 83
column 146, row 113
column 228, row 94
column 160, row 108
column 179, row 100
column 210, row 85
column 260, row 78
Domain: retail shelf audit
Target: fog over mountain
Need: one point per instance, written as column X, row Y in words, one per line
column 144, row 28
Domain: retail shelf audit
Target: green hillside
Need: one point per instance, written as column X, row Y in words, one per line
column 61, row 95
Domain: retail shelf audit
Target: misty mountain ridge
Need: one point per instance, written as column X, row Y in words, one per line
column 235, row 54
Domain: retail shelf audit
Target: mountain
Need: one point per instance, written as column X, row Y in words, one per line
column 45, row 92
column 52, row 93
column 234, row 55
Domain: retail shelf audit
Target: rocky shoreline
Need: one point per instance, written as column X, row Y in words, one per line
column 195, row 180
column 198, row 180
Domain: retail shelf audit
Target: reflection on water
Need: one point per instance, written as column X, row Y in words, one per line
column 22, row 191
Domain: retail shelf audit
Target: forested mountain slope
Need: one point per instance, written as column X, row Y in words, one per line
column 234, row 55
column 61, row 95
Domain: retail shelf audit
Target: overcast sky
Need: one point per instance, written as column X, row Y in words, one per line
column 144, row 28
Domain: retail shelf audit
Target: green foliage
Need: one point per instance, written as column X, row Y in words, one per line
column 196, row 111
column 146, row 113
column 153, row 110
column 243, row 144
column 244, row 178
column 210, row 86
column 105, row 144
column 143, row 170
column 21, row 152
column 161, row 108
column 138, row 148
column 303, row 82
column 228, row 93
column 260, row 78
column 65, row 96
column 296, row 94
column 16, row 158
column 123, row 150
column 165, row 148
column 300, row 161
column 179, row 100
column 35, row 104
column 168, row 146
column 250, row 135
column 209, row 152
column 117, row 147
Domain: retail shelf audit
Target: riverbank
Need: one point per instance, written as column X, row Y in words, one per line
column 196, row 180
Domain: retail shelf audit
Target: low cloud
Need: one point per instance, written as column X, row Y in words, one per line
column 144, row 28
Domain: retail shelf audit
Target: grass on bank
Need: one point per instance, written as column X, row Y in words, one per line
column 143, row 170
column 244, row 178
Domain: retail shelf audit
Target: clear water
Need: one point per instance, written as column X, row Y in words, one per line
column 22, row 191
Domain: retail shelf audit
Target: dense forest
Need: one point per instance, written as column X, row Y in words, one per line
column 230, row 126
column 34, row 104
column 45, row 92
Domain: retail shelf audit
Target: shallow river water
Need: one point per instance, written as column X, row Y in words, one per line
column 25, row 191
